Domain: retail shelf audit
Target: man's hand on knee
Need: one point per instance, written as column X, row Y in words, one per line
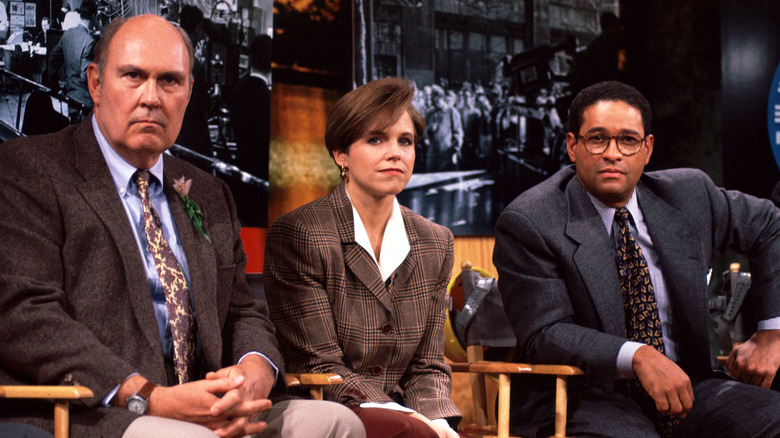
column 756, row 361
column 243, row 403
column 666, row 382
column 214, row 403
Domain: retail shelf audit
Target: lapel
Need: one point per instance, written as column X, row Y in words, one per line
column 405, row 269
column 356, row 258
column 679, row 254
column 99, row 192
column 201, row 258
column 594, row 258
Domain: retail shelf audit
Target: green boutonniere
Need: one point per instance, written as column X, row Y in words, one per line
column 182, row 187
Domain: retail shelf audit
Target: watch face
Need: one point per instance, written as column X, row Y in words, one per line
column 136, row 405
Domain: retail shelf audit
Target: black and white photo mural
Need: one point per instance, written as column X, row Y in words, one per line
column 494, row 81
column 226, row 126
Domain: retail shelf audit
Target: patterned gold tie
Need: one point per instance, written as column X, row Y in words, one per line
column 641, row 309
column 642, row 322
column 177, row 294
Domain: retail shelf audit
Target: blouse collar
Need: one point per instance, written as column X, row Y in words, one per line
column 395, row 242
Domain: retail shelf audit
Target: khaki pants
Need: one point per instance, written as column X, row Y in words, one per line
column 287, row 419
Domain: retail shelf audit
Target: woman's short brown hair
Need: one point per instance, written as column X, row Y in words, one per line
column 377, row 104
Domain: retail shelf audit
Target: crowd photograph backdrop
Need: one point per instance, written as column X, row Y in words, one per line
column 226, row 128
column 493, row 78
column 507, row 68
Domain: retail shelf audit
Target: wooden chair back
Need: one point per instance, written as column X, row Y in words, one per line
column 485, row 375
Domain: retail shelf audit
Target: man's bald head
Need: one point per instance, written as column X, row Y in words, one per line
column 102, row 46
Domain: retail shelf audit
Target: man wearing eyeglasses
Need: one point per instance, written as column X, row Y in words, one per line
column 605, row 267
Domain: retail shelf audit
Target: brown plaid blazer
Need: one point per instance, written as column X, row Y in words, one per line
column 75, row 305
column 334, row 313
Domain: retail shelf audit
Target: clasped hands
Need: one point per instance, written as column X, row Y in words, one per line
column 226, row 401
column 755, row 362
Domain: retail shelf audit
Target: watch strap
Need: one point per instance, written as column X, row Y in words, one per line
column 146, row 390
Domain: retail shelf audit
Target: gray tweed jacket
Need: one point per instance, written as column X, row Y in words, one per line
column 75, row 306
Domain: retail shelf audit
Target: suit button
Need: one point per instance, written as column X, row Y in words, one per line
column 387, row 328
column 376, row 370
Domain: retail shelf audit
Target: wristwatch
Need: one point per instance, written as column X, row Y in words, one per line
column 139, row 402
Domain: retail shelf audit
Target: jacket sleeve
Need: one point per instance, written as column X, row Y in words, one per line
column 750, row 226
column 41, row 341
column 427, row 382
column 533, row 268
column 87, row 56
column 55, row 61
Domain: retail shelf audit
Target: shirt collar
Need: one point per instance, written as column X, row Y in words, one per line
column 122, row 171
column 608, row 213
column 395, row 242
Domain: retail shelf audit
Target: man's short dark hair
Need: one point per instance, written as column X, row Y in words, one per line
column 101, row 47
column 87, row 10
column 610, row 91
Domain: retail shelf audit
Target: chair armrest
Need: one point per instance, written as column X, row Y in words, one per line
column 459, row 367
column 499, row 368
column 315, row 381
column 53, row 392
column 489, row 367
column 309, row 379
column 60, row 394
column 559, row 370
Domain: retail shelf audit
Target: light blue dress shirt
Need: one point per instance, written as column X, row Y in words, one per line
column 122, row 172
column 638, row 229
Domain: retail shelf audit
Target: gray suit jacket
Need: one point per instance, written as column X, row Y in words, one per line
column 74, row 52
column 335, row 314
column 75, row 306
column 560, row 285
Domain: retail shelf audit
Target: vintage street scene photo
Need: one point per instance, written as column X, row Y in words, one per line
column 494, row 80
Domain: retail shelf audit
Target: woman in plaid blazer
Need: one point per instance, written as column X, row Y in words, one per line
column 356, row 283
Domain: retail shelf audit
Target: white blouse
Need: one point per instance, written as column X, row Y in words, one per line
column 395, row 242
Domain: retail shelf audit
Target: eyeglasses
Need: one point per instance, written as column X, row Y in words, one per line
column 596, row 143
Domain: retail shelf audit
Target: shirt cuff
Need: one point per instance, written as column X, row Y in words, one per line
column 443, row 422
column 625, row 365
column 393, row 406
column 273, row 365
column 769, row 324
column 111, row 394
